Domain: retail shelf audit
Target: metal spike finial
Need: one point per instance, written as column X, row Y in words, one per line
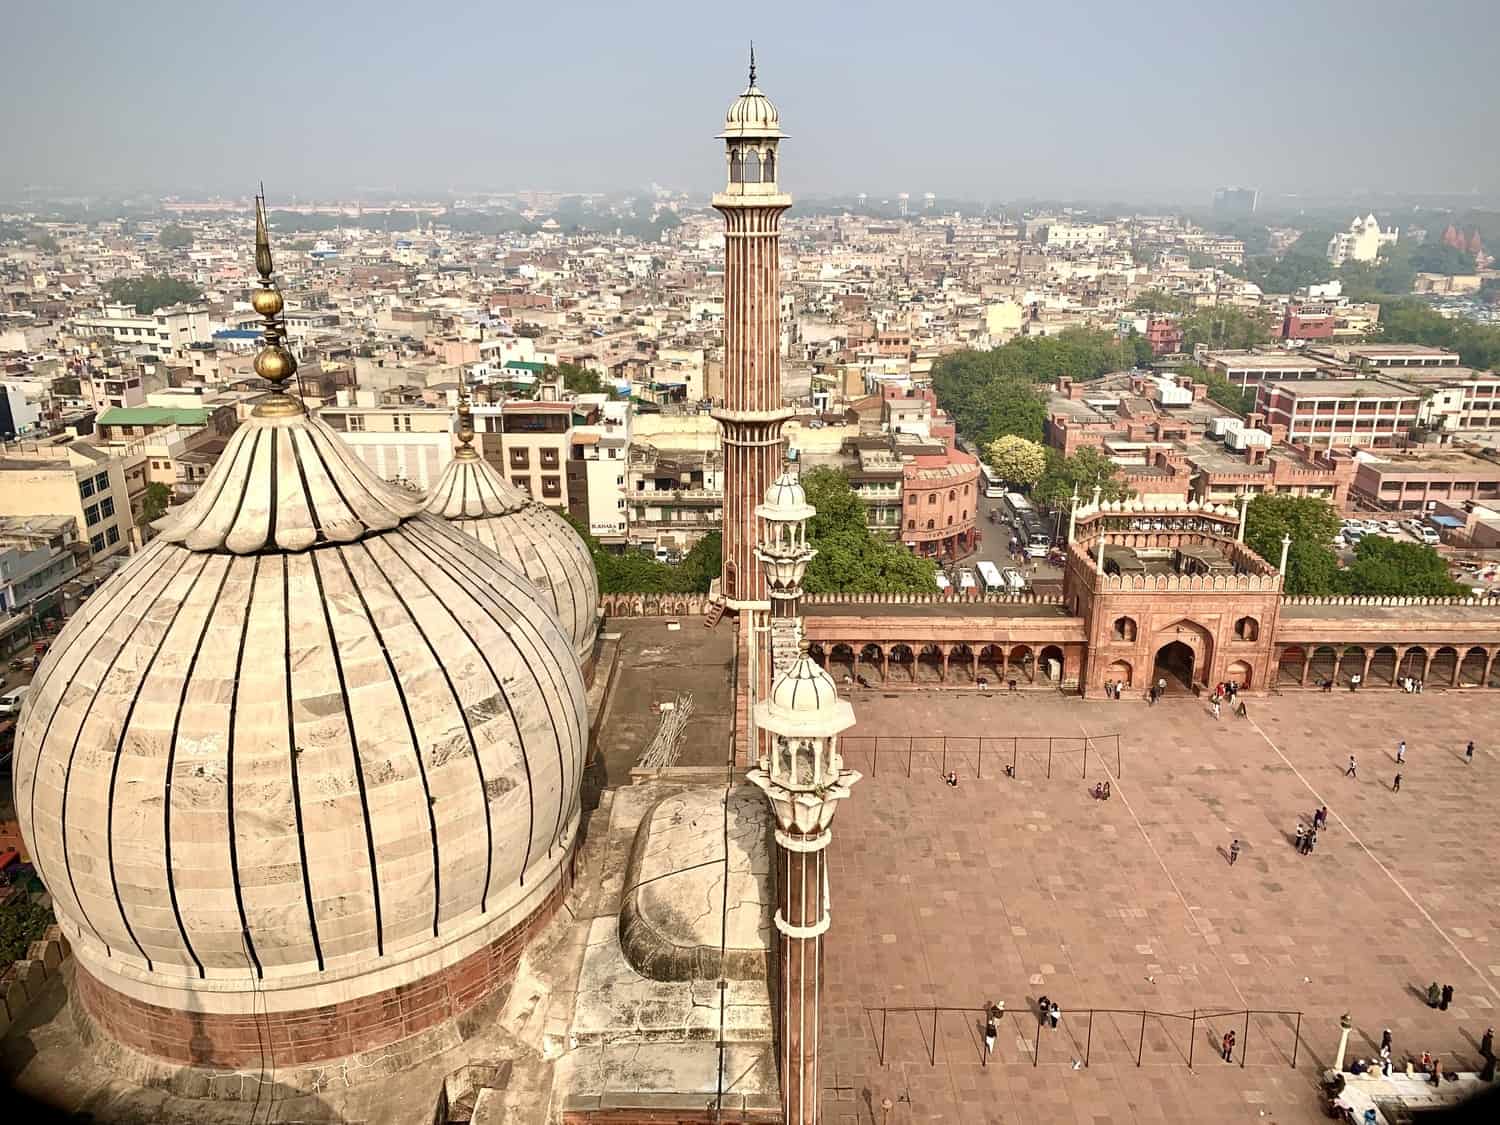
column 465, row 449
column 752, row 62
column 263, row 264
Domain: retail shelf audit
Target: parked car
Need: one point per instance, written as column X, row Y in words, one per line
column 1014, row 581
column 10, row 702
column 1390, row 527
column 1430, row 537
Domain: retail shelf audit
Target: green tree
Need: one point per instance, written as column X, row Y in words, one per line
column 1016, row 459
column 1223, row 326
column 579, row 380
column 631, row 572
column 1312, row 523
column 154, row 502
column 850, row 559
column 148, row 294
column 173, row 236
column 1384, row 567
column 1080, row 472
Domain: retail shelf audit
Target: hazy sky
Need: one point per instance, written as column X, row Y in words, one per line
column 982, row 99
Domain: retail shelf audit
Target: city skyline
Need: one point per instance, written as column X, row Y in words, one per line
column 966, row 103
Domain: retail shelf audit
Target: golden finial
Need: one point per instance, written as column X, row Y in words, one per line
column 465, row 451
column 274, row 363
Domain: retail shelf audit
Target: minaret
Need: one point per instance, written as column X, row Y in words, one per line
column 803, row 774
column 751, row 414
column 783, row 551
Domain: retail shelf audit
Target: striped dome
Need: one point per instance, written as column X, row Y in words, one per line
column 308, row 744
column 533, row 538
column 787, row 499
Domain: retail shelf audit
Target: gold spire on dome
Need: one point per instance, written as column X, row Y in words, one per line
column 274, row 363
column 752, row 63
column 465, row 450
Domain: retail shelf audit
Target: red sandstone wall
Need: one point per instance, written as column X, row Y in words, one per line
column 313, row 1035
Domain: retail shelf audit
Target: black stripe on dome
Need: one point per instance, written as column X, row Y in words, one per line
column 515, row 621
column 78, row 734
column 166, row 805
column 359, row 769
column 411, row 726
column 463, row 712
column 275, row 498
column 312, row 504
column 225, row 473
column 292, row 753
column 114, row 767
column 234, row 702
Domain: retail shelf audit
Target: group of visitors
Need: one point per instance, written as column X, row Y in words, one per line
column 1439, row 997
column 1048, row 1012
column 1227, row 693
column 1101, row 790
column 1114, row 689
column 1411, row 684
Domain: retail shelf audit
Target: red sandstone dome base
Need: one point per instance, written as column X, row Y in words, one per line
column 312, row 1035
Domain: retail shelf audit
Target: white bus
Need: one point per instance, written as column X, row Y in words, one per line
column 989, row 576
column 994, row 486
column 1019, row 506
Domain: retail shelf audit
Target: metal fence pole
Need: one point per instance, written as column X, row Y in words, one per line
column 1089, row 1043
column 1049, row 759
column 884, row 1012
column 1085, row 759
column 979, row 769
column 1245, row 1041
column 1140, row 1049
column 945, row 756
column 1036, row 1051
column 934, row 1037
column 1296, row 1040
column 1117, row 755
column 1015, row 749
column 875, row 758
column 908, row 757
column 1192, row 1042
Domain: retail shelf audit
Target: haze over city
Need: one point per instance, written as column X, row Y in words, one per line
column 1079, row 99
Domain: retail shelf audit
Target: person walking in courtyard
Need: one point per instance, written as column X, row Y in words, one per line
column 1447, row 999
column 1227, row 1052
column 1434, row 994
column 1054, row 1014
column 1487, row 1044
column 1401, row 752
column 1353, row 770
column 990, row 1031
column 1396, row 785
column 1214, row 706
column 1469, row 753
column 1385, row 1040
column 1234, row 851
column 1301, row 836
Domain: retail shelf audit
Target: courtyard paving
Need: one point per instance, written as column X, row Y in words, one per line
column 1011, row 888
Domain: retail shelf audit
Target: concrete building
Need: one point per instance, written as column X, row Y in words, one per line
column 940, row 504
column 77, row 479
column 1326, row 412
column 1414, row 480
column 163, row 331
column 38, row 555
column 1360, row 243
column 597, row 487
column 1247, row 369
column 406, row 443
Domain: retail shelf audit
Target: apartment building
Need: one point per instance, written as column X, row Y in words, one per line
column 166, row 329
column 1324, row 412
column 70, row 478
column 1457, row 400
column 597, row 471
column 530, row 443
column 38, row 555
column 675, row 496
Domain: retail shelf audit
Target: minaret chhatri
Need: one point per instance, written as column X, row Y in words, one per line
column 751, row 414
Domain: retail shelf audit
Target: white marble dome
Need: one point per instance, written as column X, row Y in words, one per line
column 752, row 114
column 532, row 537
column 786, row 499
column 308, row 743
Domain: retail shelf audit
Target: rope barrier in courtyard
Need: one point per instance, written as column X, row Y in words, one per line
column 967, row 754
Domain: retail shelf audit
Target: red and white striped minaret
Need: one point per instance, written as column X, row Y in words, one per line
column 803, row 774
column 751, row 414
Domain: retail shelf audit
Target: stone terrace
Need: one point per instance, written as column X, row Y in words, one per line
column 1010, row 889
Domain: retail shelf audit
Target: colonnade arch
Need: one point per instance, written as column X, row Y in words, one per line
column 950, row 662
column 1388, row 665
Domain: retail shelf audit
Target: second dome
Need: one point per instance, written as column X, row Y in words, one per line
column 531, row 536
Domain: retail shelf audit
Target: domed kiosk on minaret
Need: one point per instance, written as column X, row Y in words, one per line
column 306, row 771
column 532, row 537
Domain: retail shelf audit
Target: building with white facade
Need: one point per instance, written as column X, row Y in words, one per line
column 1361, row 242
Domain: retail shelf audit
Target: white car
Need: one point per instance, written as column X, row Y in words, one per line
column 10, row 702
column 1430, row 537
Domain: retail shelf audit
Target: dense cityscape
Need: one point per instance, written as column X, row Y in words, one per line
column 441, row 627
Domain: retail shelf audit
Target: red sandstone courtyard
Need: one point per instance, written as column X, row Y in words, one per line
column 1007, row 889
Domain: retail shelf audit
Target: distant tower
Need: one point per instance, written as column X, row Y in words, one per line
column 904, row 199
column 751, row 414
